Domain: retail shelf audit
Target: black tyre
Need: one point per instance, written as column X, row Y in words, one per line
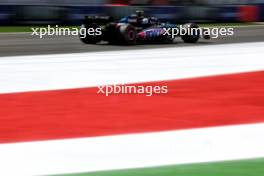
column 127, row 34
column 89, row 39
column 194, row 37
column 112, row 34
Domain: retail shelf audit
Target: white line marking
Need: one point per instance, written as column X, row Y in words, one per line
column 132, row 151
column 63, row 71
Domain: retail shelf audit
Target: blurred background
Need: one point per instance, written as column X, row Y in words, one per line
column 68, row 12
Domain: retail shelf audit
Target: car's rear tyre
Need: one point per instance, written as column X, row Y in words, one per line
column 188, row 38
column 127, row 34
column 89, row 39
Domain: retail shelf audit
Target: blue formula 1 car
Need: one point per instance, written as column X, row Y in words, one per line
column 132, row 29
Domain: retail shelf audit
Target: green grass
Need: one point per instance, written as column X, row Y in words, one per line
column 12, row 29
column 230, row 168
column 6, row 29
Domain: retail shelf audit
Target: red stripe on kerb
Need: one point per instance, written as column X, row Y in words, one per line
column 190, row 103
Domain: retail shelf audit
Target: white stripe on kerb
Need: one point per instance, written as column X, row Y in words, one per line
column 132, row 151
column 63, row 71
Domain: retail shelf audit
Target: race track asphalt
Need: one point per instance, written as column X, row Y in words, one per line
column 17, row 44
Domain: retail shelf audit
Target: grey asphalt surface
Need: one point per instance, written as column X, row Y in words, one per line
column 18, row 44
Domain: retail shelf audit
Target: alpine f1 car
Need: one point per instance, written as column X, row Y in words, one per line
column 133, row 29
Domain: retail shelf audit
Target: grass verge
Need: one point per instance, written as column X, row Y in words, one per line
column 229, row 168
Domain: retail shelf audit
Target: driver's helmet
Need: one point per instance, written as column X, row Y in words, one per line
column 145, row 21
